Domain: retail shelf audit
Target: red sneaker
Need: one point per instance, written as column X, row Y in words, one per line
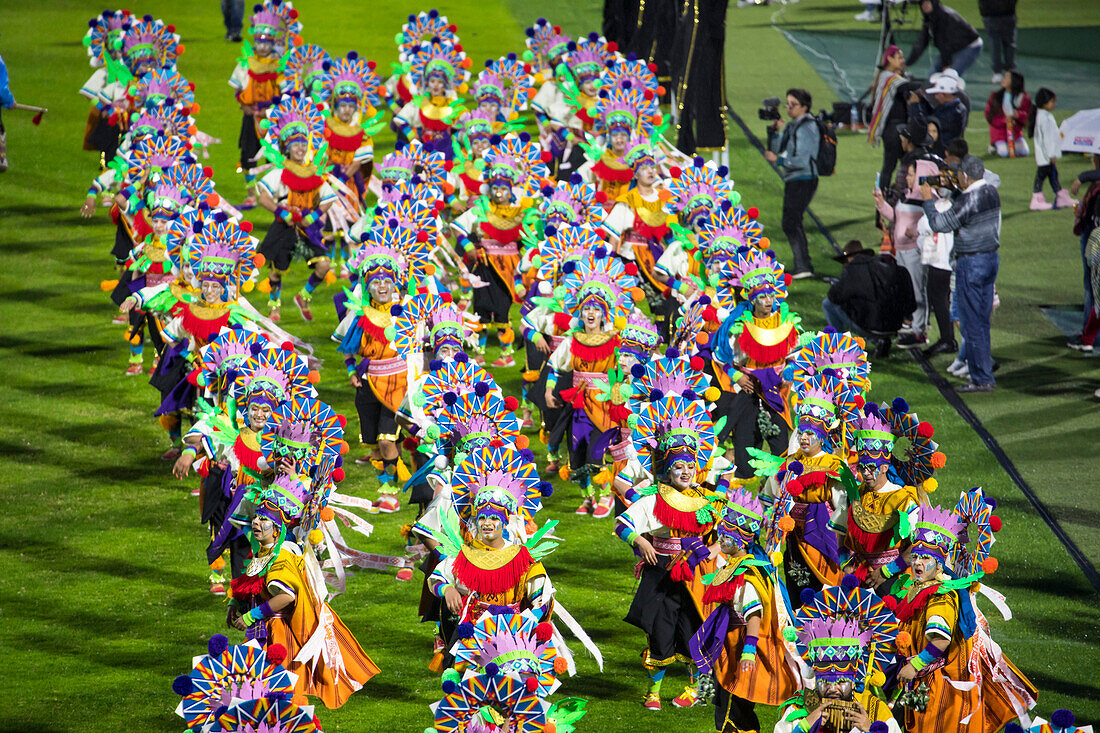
column 121, row 319
column 686, row 699
column 505, row 361
column 585, row 507
column 303, row 308
column 274, row 315
column 652, row 701
column 135, row 369
column 364, row 460
column 217, row 589
column 604, row 507
column 404, row 574
column 388, row 503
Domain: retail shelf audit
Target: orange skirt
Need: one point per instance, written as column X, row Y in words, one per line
column 321, row 681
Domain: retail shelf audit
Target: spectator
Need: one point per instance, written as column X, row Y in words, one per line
column 1086, row 222
column 905, row 214
column 1007, row 111
column 7, row 101
column 889, row 109
column 975, row 220
column 872, row 298
column 935, row 252
column 958, row 44
column 959, row 149
column 794, row 151
column 233, row 17
column 949, row 112
column 999, row 19
column 1048, row 148
column 935, row 142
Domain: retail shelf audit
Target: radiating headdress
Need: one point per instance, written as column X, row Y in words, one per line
column 671, row 429
column 759, row 273
column 499, row 480
column 226, row 354
column 699, row 189
column 271, row 376
column 742, row 518
column 305, row 73
column 563, row 244
column 150, row 42
column 728, row 227
column 639, row 336
column 589, row 55
column 516, row 161
column 935, row 533
column 225, row 252
column 626, row 110
column 915, row 457
column 572, row 202
column 603, row 281
column 353, row 79
column 829, row 349
column 162, row 86
column 516, row 644
column 546, row 41
column 422, row 27
column 506, row 80
column 276, row 20
column 631, row 72
column 672, row 374
column 105, row 34
column 874, row 438
column 293, row 120
column 442, row 58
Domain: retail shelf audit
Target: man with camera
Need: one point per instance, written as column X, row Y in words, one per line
column 975, row 219
column 793, row 148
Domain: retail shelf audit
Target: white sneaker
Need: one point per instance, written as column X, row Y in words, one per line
column 997, row 78
column 955, row 366
column 867, row 15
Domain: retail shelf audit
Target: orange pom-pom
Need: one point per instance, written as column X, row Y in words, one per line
column 661, row 91
column 507, row 336
column 327, row 515
column 297, row 41
column 330, row 277
column 563, row 473
column 903, row 639
column 429, row 269
column 861, row 343
column 702, row 339
column 344, row 447
column 264, row 286
column 448, row 188
column 550, row 727
column 989, row 565
column 313, row 376
column 521, row 441
column 195, row 110
column 638, row 294
column 560, row 665
column 259, row 261
column 180, row 48
column 765, row 243
column 786, row 524
column 939, row 460
column 108, row 285
column 218, row 564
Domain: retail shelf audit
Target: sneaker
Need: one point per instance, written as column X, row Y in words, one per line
column 195, row 491
column 248, row 203
column 121, row 319
column 867, row 15
column 687, row 698
column 552, row 465
column 404, row 574
column 506, row 360
column 217, row 589
column 388, row 503
column 273, row 314
column 997, row 79
column 479, row 359
column 604, row 507
column 652, row 701
column 1078, row 345
column 527, row 423
column 302, row 302
column 171, row 454
column 585, row 507
column 956, row 366
column 971, row 387
column 364, row 460
column 236, row 38
column 802, row 274
column 134, row 369
column 912, row 341
column 941, row 347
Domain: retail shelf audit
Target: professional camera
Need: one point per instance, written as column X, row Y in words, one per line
column 770, row 110
column 944, row 179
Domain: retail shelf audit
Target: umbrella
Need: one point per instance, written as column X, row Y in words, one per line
column 1081, row 132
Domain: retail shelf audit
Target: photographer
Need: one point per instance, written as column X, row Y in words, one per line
column 794, row 151
column 975, row 219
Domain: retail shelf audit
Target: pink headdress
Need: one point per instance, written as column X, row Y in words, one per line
column 564, row 244
column 516, row 644
column 104, row 36
column 936, row 532
column 396, row 166
column 546, row 41
column 513, row 80
column 639, row 336
column 353, row 79
column 759, row 273
column 163, row 86
column 672, row 374
column 873, row 437
column 166, row 201
column 632, row 73
column 150, row 42
column 193, row 182
column 275, row 20
column 572, row 202
column 727, row 227
column 589, row 56
column 670, row 429
column 226, row 354
column 699, row 189
column 836, row 351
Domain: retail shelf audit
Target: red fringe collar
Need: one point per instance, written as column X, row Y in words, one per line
column 724, row 592
column 473, row 185
column 606, row 173
column 905, row 610
column 676, row 519
column 200, row 328
column 433, row 125
column 246, row 585
column 562, row 321
column 650, row 232
column 346, row 143
column 606, row 350
column 301, row 184
column 504, row 236
column 484, row 581
column 762, row 354
column 373, row 330
column 248, row 457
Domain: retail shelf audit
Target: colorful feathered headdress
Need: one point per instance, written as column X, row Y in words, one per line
column 639, row 336
column 600, row 280
column 268, row 713
column 626, row 110
column 150, row 42
column 226, row 354
column 839, row 352
column 516, row 161
column 640, row 151
column 759, row 273
column 162, row 87
column 166, row 201
column 455, row 377
column 105, row 34
column 396, row 166
column 353, row 79
column 515, row 644
column 304, row 71
column 699, row 189
column 293, row 120
column 423, row 27
column 271, row 376
column 193, row 183
column 743, row 517
column 442, row 58
column 572, row 202
column 873, row 437
column 564, row 244
column 506, row 80
column 426, row 321
column 275, row 20
column 935, row 533
column 499, row 480
column 728, row 227
column 589, row 55
column 631, row 72
column 673, row 374
column 917, row 457
column 670, row 429
column 546, row 42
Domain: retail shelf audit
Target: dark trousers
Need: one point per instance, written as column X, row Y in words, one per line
column 939, row 296
column 233, row 16
column 1001, row 30
column 891, row 154
column 1043, row 172
column 733, row 714
column 744, row 413
column 796, row 199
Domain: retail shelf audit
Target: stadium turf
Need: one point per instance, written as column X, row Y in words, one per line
column 102, row 584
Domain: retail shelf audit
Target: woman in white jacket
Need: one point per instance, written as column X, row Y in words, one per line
column 1048, row 148
column 935, row 252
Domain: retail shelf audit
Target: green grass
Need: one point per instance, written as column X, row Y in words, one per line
column 102, row 598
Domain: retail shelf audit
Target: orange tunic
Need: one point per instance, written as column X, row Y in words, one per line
column 388, row 388
column 293, row 627
column 592, row 354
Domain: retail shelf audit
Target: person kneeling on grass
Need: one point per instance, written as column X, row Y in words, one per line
column 872, row 298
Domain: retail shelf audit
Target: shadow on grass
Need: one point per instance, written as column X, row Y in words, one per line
column 1046, row 683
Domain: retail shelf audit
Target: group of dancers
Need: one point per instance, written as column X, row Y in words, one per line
column 788, row 547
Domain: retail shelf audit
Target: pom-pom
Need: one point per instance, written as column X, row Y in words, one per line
column 696, row 363
column 511, row 402
column 568, row 267
column 702, row 339
column 449, row 398
column 435, row 365
column 327, row 514
column 531, row 684
column 492, row 669
column 563, row 473
column 712, row 394
column 753, row 212
column 989, row 565
column 995, row 523
column 461, row 357
column 481, row 389
column 316, row 537
column 631, row 268
column 338, row 475
column 637, row 371
column 789, row 633
column 449, row 687
column 786, row 524
column 657, row 395
column 1013, row 727
column 991, row 502
column 794, row 486
column 276, row 653
column 217, row 645
column 903, row 639
column 878, row 726
column 939, row 460
column 723, row 171
column 182, row 685
column 544, row 631
column 1062, row 719
column 930, row 485
column 675, row 172
column 899, row 405
column 465, row 630
column 849, row 581
column 313, row 376
column 672, row 352
column 807, row 596
column 877, row 679
column 924, row 429
column 795, row 467
column 698, row 161
column 890, row 602
column 560, row 665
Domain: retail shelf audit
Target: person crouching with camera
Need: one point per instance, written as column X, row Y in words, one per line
column 793, row 148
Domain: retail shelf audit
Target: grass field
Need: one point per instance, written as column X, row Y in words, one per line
column 102, row 590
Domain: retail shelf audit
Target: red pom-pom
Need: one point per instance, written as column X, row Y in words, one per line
column 859, row 401
column 496, row 443
column 448, row 166
column 787, row 279
column 753, row 212
column 696, row 363
column 546, row 157
column 171, row 28
column 601, row 197
column 612, row 46
column 995, row 523
column 652, row 67
column 287, row 346
column 337, row 475
column 710, row 314
column 794, row 486
column 208, row 171
column 531, row 684
column 193, row 377
column 422, row 236
column 293, row 15
column 246, row 227
column 342, row 420
column 372, row 65
column 276, row 653
column 447, row 298
column 511, row 402
column 410, row 443
column 890, row 602
column 674, row 172
column 631, row 268
column 924, row 429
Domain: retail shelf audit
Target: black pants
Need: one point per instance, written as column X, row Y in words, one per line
column 796, row 199
column 1043, row 172
column 1002, row 34
column 891, row 154
column 733, row 714
column 939, row 298
column 376, row 421
column 744, row 411
column 233, row 16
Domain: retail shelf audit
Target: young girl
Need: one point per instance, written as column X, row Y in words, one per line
column 1007, row 112
column 1048, row 147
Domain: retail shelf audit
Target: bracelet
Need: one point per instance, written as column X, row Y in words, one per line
column 895, row 567
column 748, row 649
column 191, row 449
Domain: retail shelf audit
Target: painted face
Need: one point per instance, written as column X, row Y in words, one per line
column 264, row 46
column 258, row 415
column 764, row 304
column 681, row 474
column 501, row 194
column 446, row 352
column 588, row 87
column 436, row 86
column 836, row 689
column 263, row 529
column 646, row 175
column 160, row 226
column 489, row 527
column 924, row 567
column 591, row 316
column 381, row 289
column 211, row 291
column 869, row 473
column 627, row 361
column 809, row 442
column 479, row 145
column 345, row 111
column 619, row 140
column 297, row 151
column 489, row 106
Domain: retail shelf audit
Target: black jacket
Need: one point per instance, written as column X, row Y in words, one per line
column 946, row 30
column 875, row 292
column 996, row 8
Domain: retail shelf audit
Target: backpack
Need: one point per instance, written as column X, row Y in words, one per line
column 825, row 161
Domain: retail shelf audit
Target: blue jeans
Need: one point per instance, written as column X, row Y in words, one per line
column 961, row 61
column 838, row 319
column 974, row 279
column 1089, row 302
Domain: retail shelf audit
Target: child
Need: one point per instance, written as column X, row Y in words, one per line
column 935, row 251
column 1048, row 147
column 1007, row 111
